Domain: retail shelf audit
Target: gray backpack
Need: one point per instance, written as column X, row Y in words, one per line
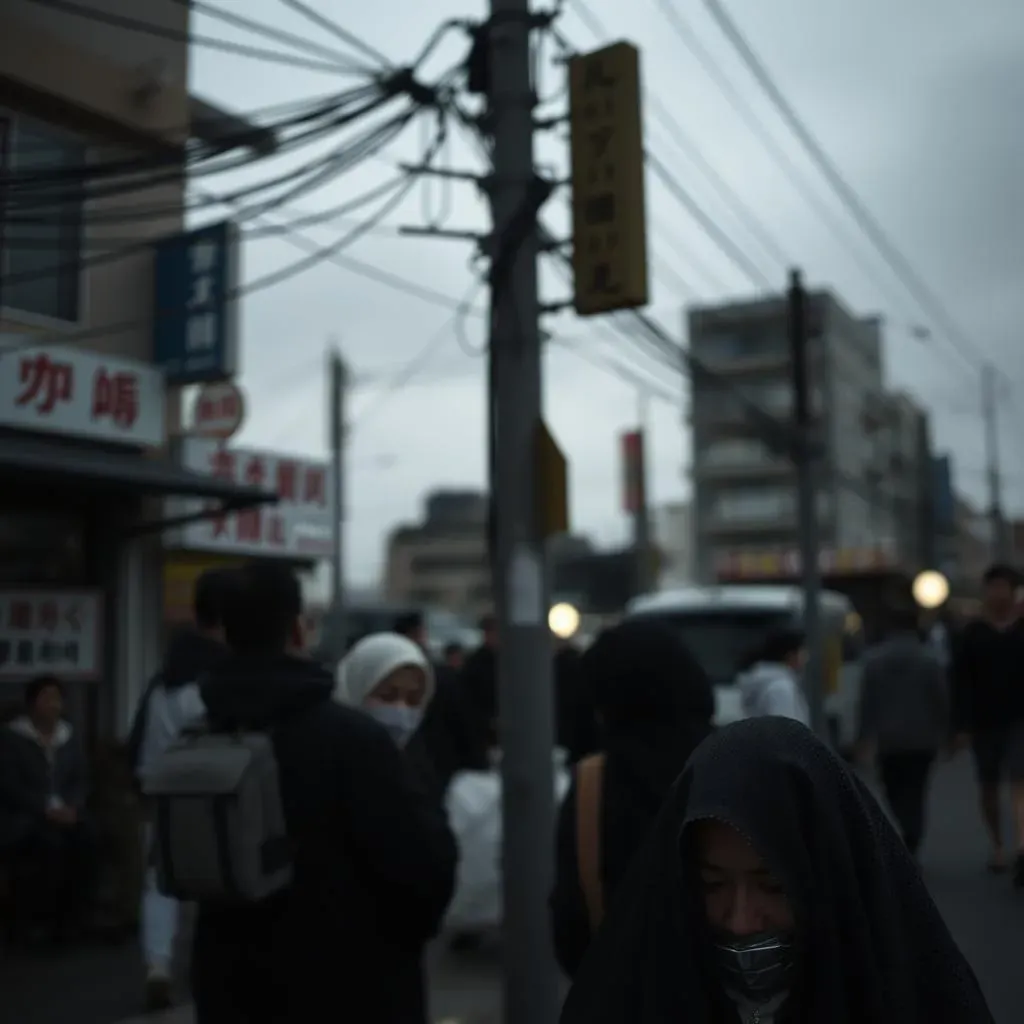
column 219, row 830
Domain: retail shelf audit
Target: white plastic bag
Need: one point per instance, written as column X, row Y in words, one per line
column 474, row 813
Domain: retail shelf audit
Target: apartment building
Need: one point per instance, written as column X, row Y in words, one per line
column 84, row 414
column 442, row 561
column 745, row 496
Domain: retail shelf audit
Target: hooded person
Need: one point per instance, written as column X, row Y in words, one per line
column 773, row 889
column 388, row 676
column 770, row 684
column 654, row 705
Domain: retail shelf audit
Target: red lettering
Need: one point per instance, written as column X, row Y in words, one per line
column 315, row 491
column 219, row 522
column 222, row 464
column 19, row 615
column 287, row 480
column 254, row 472
column 205, row 411
column 45, row 382
column 249, row 526
column 275, row 531
column 49, row 615
column 115, row 396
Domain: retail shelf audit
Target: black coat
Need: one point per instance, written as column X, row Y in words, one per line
column 871, row 945
column 374, row 866
column 478, row 683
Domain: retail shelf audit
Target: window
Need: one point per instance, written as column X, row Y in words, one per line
column 755, row 505
column 752, row 343
column 735, row 451
column 41, row 227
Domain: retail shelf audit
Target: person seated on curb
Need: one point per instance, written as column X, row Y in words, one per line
column 51, row 847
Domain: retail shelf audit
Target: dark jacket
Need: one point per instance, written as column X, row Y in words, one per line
column 478, row 682
column 447, row 738
column 872, row 946
column 575, row 724
column 31, row 777
column 988, row 676
column 904, row 699
column 655, row 704
column 374, row 864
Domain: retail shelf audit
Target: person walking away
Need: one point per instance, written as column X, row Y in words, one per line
column 575, row 726
column 445, row 739
column 171, row 703
column 802, row 908
column 904, row 720
column 773, row 683
column 654, row 704
column 51, row 844
column 988, row 707
column 454, row 656
column 478, row 682
column 372, row 860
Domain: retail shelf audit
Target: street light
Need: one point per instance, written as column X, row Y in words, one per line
column 563, row 620
column 931, row 589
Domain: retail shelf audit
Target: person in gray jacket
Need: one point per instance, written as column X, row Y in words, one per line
column 904, row 720
column 43, row 827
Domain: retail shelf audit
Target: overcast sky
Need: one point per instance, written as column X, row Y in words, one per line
column 918, row 102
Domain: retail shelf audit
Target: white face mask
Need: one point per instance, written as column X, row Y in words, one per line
column 400, row 721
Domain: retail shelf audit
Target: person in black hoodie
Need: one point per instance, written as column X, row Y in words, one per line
column 374, row 860
column 445, row 739
column 654, row 705
column 773, row 889
column 478, row 682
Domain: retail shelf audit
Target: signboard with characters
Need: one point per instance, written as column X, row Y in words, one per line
column 49, row 631
column 81, row 394
column 298, row 527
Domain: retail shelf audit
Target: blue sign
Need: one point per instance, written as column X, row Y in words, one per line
column 195, row 330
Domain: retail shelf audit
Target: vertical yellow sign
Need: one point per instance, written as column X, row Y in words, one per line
column 608, row 205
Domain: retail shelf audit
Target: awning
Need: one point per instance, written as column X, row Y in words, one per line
column 120, row 472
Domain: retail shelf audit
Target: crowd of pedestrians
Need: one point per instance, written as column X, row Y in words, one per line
column 741, row 874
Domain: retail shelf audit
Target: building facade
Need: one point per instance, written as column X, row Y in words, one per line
column 745, row 507
column 443, row 560
column 84, row 415
column 673, row 538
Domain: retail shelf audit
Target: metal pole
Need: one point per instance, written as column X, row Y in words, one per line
column 807, row 493
column 339, row 384
column 525, row 652
column 642, row 515
column 990, row 413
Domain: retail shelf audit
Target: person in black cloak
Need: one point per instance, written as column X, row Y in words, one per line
column 654, row 704
column 773, row 890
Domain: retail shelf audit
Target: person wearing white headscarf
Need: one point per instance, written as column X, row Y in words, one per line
column 390, row 678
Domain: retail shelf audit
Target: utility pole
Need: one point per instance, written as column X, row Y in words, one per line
column 635, row 470
column 525, row 652
column 806, row 455
column 339, row 385
column 990, row 414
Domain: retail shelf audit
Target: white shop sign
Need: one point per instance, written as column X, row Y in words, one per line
column 58, row 632
column 64, row 390
column 298, row 526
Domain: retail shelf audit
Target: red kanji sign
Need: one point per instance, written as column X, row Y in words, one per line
column 249, row 525
column 45, row 382
column 287, row 480
column 315, row 490
column 254, row 471
column 222, row 464
column 115, row 396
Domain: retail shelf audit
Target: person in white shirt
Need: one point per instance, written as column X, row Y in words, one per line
column 773, row 685
column 172, row 703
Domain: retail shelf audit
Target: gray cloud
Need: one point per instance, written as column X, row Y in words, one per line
column 919, row 102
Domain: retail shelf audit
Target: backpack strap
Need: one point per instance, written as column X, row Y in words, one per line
column 589, row 789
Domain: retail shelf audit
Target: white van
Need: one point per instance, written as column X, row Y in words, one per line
column 723, row 625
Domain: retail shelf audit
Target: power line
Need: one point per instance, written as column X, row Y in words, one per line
column 342, row 33
column 897, row 262
column 260, row 53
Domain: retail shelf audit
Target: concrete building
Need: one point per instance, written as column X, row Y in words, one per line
column 442, row 561
column 745, row 500
column 84, row 415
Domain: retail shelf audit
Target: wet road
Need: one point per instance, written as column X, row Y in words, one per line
column 101, row 986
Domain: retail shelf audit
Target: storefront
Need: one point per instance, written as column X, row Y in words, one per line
column 82, row 490
column 296, row 530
